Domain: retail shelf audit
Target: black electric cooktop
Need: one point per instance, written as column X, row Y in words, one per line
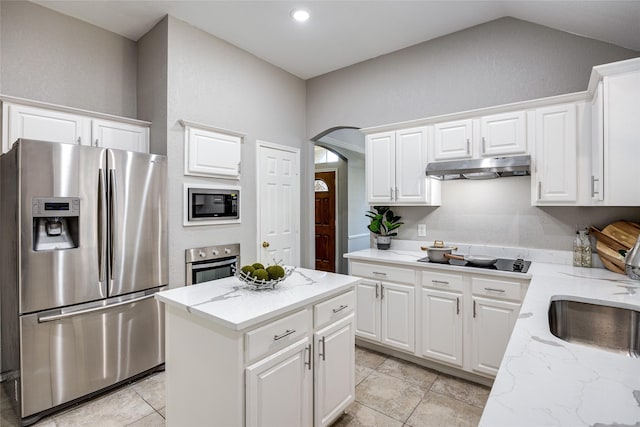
column 502, row 264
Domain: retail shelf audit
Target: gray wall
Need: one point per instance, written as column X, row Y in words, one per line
column 47, row 56
column 152, row 84
column 499, row 62
column 213, row 82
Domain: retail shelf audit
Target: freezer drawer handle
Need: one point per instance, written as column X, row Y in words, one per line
column 90, row 310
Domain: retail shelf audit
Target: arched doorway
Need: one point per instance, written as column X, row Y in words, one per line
column 341, row 151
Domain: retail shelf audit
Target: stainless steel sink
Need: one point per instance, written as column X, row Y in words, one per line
column 609, row 328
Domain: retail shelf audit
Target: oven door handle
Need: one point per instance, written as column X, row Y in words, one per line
column 197, row 266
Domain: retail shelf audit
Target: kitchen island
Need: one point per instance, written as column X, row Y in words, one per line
column 236, row 356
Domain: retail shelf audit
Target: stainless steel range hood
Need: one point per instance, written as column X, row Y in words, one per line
column 494, row 167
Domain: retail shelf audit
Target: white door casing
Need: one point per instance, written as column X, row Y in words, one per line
column 278, row 203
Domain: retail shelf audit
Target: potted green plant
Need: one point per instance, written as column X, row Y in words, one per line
column 383, row 225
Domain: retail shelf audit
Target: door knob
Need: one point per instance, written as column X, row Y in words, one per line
column 265, row 244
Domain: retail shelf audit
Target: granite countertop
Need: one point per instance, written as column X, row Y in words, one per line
column 544, row 380
column 233, row 304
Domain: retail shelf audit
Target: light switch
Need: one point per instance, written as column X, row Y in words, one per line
column 422, row 230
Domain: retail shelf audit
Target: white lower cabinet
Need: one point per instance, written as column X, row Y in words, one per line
column 462, row 320
column 279, row 388
column 334, row 371
column 386, row 309
column 442, row 326
column 493, row 321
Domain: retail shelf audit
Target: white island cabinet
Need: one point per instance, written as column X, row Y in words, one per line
column 236, row 356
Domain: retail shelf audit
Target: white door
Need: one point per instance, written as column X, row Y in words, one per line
column 493, row 322
column 442, row 326
column 397, row 323
column 556, row 154
column 380, row 158
column 46, row 125
column 278, row 204
column 368, row 309
column 279, row 388
column 119, row 136
column 452, row 140
column 411, row 160
column 503, row 134
column 334, row 370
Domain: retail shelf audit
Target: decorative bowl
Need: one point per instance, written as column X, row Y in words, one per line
column 258, row 284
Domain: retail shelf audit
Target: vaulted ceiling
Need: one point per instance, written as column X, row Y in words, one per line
column 342, row 33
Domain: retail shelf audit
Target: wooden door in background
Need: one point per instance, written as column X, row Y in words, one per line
column 325, row 191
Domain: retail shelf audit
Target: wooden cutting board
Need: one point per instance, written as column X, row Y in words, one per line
column 615, row 237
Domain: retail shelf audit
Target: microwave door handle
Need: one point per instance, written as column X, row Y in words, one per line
column 213, row 264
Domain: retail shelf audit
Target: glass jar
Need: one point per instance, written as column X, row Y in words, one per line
column 577, row 251
column 585, row 248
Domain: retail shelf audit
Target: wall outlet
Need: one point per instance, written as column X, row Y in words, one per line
column 422, row 230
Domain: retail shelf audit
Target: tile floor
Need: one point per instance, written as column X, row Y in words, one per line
column 389, row 392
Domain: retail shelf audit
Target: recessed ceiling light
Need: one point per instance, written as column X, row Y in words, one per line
column 300, row 15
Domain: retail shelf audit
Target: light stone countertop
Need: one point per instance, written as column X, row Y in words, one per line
column 233, row 304
column 543, row 380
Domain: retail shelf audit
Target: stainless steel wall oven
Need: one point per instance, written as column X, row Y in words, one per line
column 211, row 263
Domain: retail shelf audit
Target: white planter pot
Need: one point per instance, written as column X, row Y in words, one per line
column 383, row 242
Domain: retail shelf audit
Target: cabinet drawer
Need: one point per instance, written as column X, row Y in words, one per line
column 452, row 282
column 277, row 335
column 497, row 288
column 334, row 309
column 383, row 272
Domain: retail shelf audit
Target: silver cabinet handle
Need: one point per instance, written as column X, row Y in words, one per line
column 439, row 282
column 381, row 291
column 377, row 273
column 457, row 305
column 391, row 193
column 494, row 290
column 307, row 350
column 468, row 146
column 96, row 142
column 539, row 190
column 79, row 140
column 377, row 294
column 284, row 334
column 593, row 186
column 396, row 198
column 323, row 353
column 339, row 309
column 91, row 310
column 474, row 308
column 484, row 146
column 238, row 168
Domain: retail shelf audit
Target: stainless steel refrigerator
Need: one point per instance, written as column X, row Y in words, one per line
column 83, row 235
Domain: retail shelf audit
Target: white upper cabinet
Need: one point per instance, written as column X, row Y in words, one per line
column 23, row 121
column 555, row 167
column 621, row 141
column 453, row 140
column 503, row 134
column 53, row 123
column 120, row 136
column 380, row 161
column 209, row 152
column 395, row 169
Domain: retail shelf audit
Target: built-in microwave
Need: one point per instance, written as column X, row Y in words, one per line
column 212, row 204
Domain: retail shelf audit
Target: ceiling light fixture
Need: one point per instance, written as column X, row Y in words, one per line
column 300, row 15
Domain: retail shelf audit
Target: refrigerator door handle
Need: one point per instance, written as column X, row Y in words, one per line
column 72, row 313
column 102, row 226
column 113, row 222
